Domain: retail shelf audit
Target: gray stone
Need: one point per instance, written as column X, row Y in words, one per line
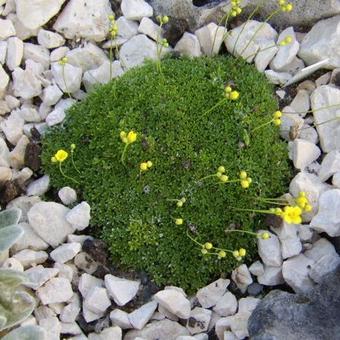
column 227, row 305
column 48, row 220
column 147, row 27
column 301, row 102
column 164, row 329
column 328, row 217
column 241, row 276
column 87, row 19
column 87, row 282
column 140, row 317
column 313, row 315
column 271, row 276
column 189, row 45
column 97, row 300
column 136, row 9
column 209, row 296
column 199, row 320
column 336, row 180
column 330, row 165
column 322, row 43
column 257, row 268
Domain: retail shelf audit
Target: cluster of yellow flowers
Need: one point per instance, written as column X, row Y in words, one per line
column 231, row 94
column 220, row 174
column 180, row 202
column 162, row 19
column 113, row 30
column 63, row 61
column 145, row 166
column 286, row 41
column 239, row 254
column 285, row 6
column 303, row 202
column 245, row 180
column 235, row 8
column 277, row 118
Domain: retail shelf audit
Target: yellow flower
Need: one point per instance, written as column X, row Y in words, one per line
column 149, row 164
column 179, row 221
column 131, row 137
column 243, row 175
column 245, row 184
column 265, row 236
column 234, row 95
column 236, row 254
column 221, row 254
column 292, row 215
column 277, row 114
column 63, row 61
column 277, row 122
column 308, row 208
column 53, row 159
column 208, row 245
column 228, row 89
column 73, row 146
column 204, row 251
column 61, row 155
column 221, row 169
column 179, row 204
column 224, row 178
column 143, row 166
column 242, row 252
column 165, row 19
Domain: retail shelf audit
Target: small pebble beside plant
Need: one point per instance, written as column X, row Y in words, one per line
column 171, row 161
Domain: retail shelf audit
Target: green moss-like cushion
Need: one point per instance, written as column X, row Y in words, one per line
column 134, row 211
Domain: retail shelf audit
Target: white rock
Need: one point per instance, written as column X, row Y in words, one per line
column 90, row 316
column 265, row 55
column 228, row 335
column 336, row 180
column 241, row 276
column 26, row 84
column 36, row 13
column 295, row 272
column 5, row 174
column 43, row 312
column 6, row 29
column 289, row 239
column 326, row 259
column 221, row 326
column 50, row 39
column 28, row 257
column 328, row 217
column 22, row 32
column 304, row 153
column 4, row 79
column 294, row 66
column 79, row 216
column 127, row 28
column 309, row 134
column 24, row 203
column 12, row 127
column 29, row 114
column 15, row 52
column 85, row 19
column 114, row 333
column 278, row 78
column 29, row 240
column 86, row 263
column 321, row 42
column 147, row 27
column 255, row 36
column 39, row 275
column 285, row 54
column 305, row 233
column 136, row 9
column 120, row 318
column 49, row 222
column 67, row 77
column 52, row 327
column 38, row 54
column 67, row 195
column 14, row 264
column 56, row 290
column 271, row 276
column 59, row 112
column 87, row 57
column 4, row 153
column 140, row 317
column 121, row 290
column 323, row 97
column 71, row 311
column 17, row 155
column 23, row 175
column 101, row 75
column 330, row 165
column 227, row 305
column 270, row 250
column 66, row 271
column 97, row 300
column 78, row 238
column 39, row 186
column 3, row 51
column 202, row 319
column 136, row 50
column 324, row 79
column 291, row 124
column 301, row 102
column 209, row 296
column 71, row 328
column 51, row 95
column 210, row 38
column 174, row 301
column 257, row 268
column 65, row 252
column 58, row 53
column 312, row 186
column 189, row 45
column 87, row 282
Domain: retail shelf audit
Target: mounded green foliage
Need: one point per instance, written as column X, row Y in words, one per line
column 133, row 211
column 15, row 303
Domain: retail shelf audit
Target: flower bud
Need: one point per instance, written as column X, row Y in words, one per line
column 242, row 252
column 179, row 221
column 208, row 245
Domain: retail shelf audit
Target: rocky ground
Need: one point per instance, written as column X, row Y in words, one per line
column 79, row 295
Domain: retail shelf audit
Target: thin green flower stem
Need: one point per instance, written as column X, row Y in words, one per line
column 226, row 18
column 192, row 239
column 258, row 29
column 315, row 110
column 271, row 200
column 264, row 49
column 74, row 165
column 244, row 26
column 110, row 57
column 62, row 172
column 226, row 250
column 215, row 106
column 242, row 231
column 122, row 159
column 203, row 178
column 317, row 124
column 254, row 210
column 64, row 78
column 262, row 125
